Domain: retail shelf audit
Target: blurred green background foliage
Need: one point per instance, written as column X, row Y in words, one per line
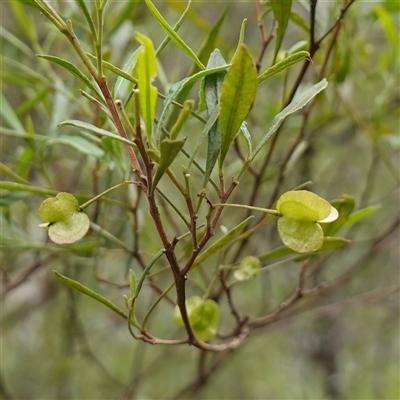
column 60, row 344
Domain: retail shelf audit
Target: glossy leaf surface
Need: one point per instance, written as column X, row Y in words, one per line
column 147, row 70
column 281, row 10
column 238, row 93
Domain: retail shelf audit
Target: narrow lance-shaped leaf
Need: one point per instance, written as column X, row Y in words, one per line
column 96, row 130
column 7, row 112
column 297, row 104
column 221, row 242
column 238, row 93
column 282, row 65
column 178, row 86
column 74, row 71
column 78, row 143
column 329, row 243
column 204, row 53
column 78, row 286
column 169, row 149
column 241, row 39
column 361, row 214
column 128, row 69
column 175, row 28
column 281, row 10
column 147, row 69
column 172, row 34
column 345, row 206
column 212, row 93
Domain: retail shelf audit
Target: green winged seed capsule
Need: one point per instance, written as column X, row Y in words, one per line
column 249, row 266
column 70, row 230
column 58, row 208
column 203, row 316
column 300, row 236
column 304, row 205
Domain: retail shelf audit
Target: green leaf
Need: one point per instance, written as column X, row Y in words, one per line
column 390, row 30
column 69, row 230
column 78, row 286
column 238, row 93
column 221, row 242
column 17, row 43
column 297, row 104
column 330, row 243
column 132, row 282
column 249, row 267
column 73, row 70
column 178, row 86
column 128, row 69
column 169, row 149
column 176, row 27
column 7, row 112
column 241, row 39
column 183, row 116
column 344, row 206
column 204, row 52
column 58, row 208
column 172, row 34
column 361, row 214
column 281, row 10
column 301, row 45
column 207, row 127
column 299, row 235
column 299, row 21
column 304, row 205
column 212, row 93
column 247, row 136
column 282, row 65
column 78, row 143
column 147, row 69
column 96, row 130
column 203, row 317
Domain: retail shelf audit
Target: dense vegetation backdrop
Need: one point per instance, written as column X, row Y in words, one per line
column 337, row 335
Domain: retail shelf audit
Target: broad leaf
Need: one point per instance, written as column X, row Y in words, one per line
column 281, row 10
column 147, row 69
column 238, row 93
